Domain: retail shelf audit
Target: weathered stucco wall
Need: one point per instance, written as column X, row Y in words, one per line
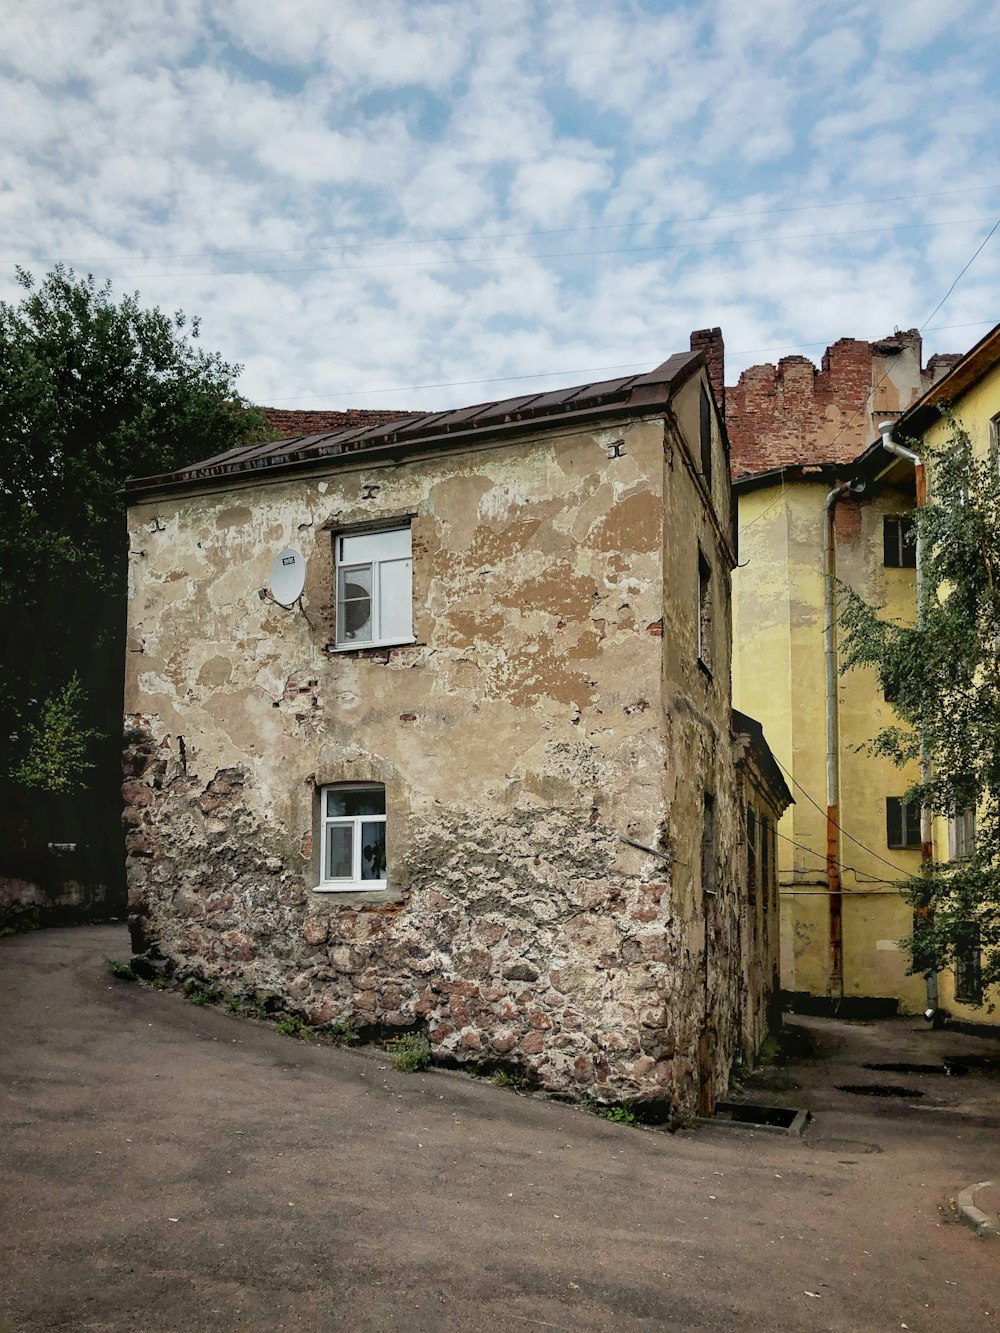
column 550, row 709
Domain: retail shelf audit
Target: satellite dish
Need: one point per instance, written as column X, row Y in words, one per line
column 288, row 577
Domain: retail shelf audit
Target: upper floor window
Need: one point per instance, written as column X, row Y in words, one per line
column 352, row 836
column 962, row 834
column 899, row 542
column 374, row 588
column 705, row 437
column 902, row 822
column 751, row 855
column 705, row 637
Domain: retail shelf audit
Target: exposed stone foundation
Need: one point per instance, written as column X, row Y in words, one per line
column 516, row 939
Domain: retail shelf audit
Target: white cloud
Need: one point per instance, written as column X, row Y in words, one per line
column 301, row 175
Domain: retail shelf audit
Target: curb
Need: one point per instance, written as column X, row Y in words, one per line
column 974, row 1217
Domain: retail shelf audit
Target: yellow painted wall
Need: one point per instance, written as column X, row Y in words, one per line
column 779, row 678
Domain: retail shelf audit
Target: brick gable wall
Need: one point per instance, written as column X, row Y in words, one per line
column 288, row 422
column 793, row 412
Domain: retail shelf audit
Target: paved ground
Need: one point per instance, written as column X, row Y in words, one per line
column 166, row 1167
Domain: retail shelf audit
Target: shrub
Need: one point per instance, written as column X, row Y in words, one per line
column 409, row 1054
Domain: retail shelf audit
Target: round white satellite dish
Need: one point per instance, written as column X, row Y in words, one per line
column 288, row 577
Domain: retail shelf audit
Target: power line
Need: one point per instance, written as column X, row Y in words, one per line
column 962, row 274
column 578, row 370
column 771, row 239
column 923, row 328
column 864, row 847
column 858, row 874
column 515, row 235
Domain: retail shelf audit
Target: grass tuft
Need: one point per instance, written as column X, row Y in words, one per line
column 409, row 1054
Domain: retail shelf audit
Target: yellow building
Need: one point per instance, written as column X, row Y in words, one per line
column 970, row 394
column 849, row 841
column 842, row 914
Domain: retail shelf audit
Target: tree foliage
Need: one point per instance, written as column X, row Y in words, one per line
column 943, row 677
column 93, row 390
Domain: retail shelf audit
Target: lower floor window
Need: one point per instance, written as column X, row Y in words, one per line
column 352, row 850
column 969, row 970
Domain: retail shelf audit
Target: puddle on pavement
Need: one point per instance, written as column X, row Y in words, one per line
column 854, row 1146
column 901, row 1067
column 957, row 1066
column 879, row 1090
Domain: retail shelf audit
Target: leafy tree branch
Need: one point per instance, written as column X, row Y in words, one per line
column 943, row 677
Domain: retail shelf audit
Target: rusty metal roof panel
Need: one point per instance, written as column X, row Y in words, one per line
column 620, row 396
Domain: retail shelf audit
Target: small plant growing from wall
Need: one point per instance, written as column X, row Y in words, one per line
column 409, row 1054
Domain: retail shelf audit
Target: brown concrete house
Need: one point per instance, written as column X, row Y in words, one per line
column 481, row 776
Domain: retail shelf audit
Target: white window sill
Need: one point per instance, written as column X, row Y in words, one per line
column 366, row 886
column 371, row 643
column 376, row 894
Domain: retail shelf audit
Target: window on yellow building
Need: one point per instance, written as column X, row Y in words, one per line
column 899, row 542
column 962, row 834
column 969, row 970
column 902, row 822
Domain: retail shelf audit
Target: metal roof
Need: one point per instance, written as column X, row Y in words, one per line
column 490, row 422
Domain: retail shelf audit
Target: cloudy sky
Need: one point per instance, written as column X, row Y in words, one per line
column 399, row 203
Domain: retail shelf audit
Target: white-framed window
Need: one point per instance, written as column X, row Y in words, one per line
column 352, row 837
column 374, row 588
column 962, row 828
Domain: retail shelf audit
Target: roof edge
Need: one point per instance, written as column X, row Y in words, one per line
column 629, row 396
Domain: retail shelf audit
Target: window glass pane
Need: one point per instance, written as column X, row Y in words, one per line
column 348, row 801
column 338, row 856
column 890, row 541
column 354, row 605
column 372, row 850
column 395, row 581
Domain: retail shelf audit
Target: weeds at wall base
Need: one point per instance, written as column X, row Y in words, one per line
column 123, row 971
column 407, row 1049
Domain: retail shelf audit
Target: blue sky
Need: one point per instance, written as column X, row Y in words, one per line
column 363, row 199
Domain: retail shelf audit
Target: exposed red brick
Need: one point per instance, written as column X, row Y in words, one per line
column 288, row 422
column 847, row 517
column 710, row 342
column 780, row 415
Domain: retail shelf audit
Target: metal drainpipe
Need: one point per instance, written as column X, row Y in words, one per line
column 926, row 831
column 832, row 753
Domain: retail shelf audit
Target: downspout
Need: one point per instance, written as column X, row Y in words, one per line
column 926, row 834
column 836, row 985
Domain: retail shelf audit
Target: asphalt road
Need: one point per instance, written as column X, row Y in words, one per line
column 167, row 1167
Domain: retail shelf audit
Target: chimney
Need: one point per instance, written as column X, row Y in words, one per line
column 710, row 342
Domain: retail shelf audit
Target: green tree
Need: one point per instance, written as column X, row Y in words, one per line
column 93, row 390
column 943, row 676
